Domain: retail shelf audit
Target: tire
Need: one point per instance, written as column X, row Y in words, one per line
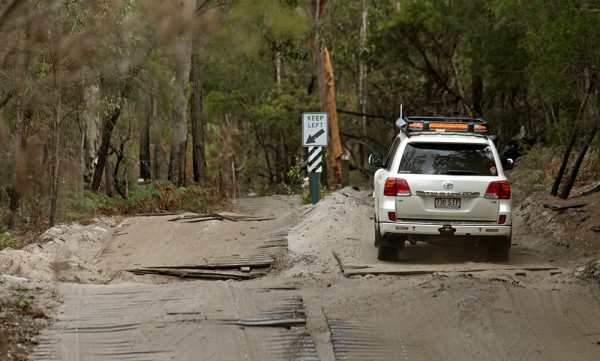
column 387, row 253
column 498, row 249
column 378, row 236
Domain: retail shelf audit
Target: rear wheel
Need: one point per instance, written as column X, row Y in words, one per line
column 498, row 248
column 387, row 253
column 377, row 235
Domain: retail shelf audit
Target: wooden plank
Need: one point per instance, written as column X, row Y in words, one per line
column 197, row 274
column 265, row 263
column 410, row 272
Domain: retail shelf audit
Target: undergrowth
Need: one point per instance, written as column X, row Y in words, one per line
column 152, row 197
column 536, row 171
column 155, row 197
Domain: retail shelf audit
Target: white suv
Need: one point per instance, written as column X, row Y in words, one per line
column 442, row 182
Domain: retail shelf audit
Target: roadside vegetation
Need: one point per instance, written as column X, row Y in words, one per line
column 118, row 107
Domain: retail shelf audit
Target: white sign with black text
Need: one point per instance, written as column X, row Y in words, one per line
column 315, row 129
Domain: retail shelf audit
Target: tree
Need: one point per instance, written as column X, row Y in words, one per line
column 327, row 96
column 565, row 55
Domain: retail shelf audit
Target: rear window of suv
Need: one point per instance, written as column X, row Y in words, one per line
column 448, row 158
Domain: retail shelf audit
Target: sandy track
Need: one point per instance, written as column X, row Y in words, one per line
column 325, row 298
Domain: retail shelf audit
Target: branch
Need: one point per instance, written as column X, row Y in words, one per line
column 360, row 114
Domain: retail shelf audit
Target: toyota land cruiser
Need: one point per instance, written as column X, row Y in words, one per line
column 442, row 182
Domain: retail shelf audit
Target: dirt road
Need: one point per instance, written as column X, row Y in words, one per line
column 280, row 281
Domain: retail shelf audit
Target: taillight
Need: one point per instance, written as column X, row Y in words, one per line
column 502, row 219
column 396, row 187
column 498, row 190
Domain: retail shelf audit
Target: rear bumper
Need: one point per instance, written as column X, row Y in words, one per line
column 487, row 230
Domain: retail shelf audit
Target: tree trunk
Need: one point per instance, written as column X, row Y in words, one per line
column 563, row 165
column 145, row 121
column 277, row 63
column 56, row 135
column 564, row 194
column 156, row 140
column 20, row 168
column 180, row 116
column 109, row 125
column 90, row 133
column 56, row 57
column 110, row 120
column 362, row 79
column 197, row 115
column 477, row 93
column 328, row 103
column 334, row 150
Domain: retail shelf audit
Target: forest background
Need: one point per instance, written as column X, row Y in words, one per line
column 123, row 106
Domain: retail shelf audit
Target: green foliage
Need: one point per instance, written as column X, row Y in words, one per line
column 22, row 303
column 4, row 237
column 295, row 178
column 90, row 204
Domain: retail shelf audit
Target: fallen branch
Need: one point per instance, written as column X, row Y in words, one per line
column 555, row 207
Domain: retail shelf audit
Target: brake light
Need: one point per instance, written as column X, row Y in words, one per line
column 498, row 190
column 396, row 187
column 502, row 219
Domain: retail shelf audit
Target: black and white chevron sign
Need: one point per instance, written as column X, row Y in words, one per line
column 315, row 159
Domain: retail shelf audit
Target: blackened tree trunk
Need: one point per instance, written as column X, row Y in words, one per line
column 197, row 115
column 109, row 125
column 20, row 169
column 110, row 121
column 362, row 79
column 563, row 164
column 564, row 194
column 145, row 137
column 56, row 68
column 477, row 93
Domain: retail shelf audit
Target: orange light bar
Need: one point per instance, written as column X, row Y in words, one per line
column 463, row 127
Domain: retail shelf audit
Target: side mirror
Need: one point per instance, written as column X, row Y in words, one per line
column 376, row 160
column 507, row 163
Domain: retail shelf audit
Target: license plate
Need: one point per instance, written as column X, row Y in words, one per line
column 452, row 203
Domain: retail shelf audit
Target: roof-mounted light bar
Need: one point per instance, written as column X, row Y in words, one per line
column 444, row 124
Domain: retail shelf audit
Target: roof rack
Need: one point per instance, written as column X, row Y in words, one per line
column 417, row 124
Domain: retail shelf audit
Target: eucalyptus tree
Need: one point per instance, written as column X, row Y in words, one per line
column 327, row 95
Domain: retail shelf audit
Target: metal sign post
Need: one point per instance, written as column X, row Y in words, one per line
column 315, row 136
